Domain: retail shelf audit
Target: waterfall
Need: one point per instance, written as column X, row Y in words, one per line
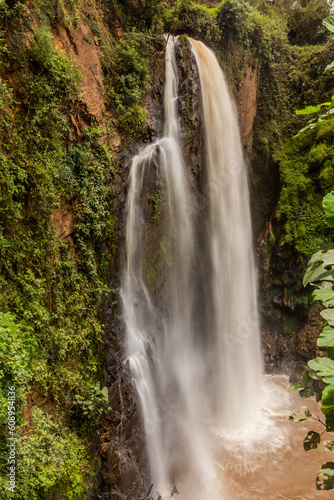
column 237, row 339
column 191, row 378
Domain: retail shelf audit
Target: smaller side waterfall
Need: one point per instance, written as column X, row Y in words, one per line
column 190, row 378
column 163, row 359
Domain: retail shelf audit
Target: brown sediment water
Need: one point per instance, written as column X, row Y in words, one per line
column 267, row 461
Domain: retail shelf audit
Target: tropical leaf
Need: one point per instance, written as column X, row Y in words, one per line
column 325, row 285
column 316, row 268
column 299, row 417
column 328, row 206
column 329, row 23
column 310, row 124
column 311, row 109
column 325, row 295
column 326, row 338
column 329, row 445
column 324, row 368
column 325, row 477
column 327, row 399
column 311, row 441
column 315, row 122
column 306, row 378
column 314, row 375
column 328, row 315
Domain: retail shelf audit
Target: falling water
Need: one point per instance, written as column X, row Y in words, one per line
column 237, row 351
column 191, row 379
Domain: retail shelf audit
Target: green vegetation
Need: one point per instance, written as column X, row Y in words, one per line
column 128, row 79
column 55, row 168
column 304, row 164
column 195, row 20
column 51, row 287
column 156, row 201
column 52, row 461
column 319, row 376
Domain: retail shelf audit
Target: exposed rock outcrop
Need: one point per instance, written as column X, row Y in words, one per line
column 246, row 96
column 63, row 222
column 82, row 46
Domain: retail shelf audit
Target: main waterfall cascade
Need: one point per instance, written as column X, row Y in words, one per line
column 193, row 374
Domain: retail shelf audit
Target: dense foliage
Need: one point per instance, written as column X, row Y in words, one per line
column 319, row 377
column 51, row 288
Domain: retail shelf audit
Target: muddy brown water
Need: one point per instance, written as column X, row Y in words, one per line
column 268, row 460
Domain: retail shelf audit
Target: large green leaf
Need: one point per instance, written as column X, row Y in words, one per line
column 327, row 399
column 324, row 368
column 316, row 268
column 313, row 375
column 328, row 285
column 325, row 295
column 311, row 109
column 328, row 206
column 326, row 338
column 328, row 315
column 329, row 23
column 293, row 387
column 310, row 125
column 315, row 122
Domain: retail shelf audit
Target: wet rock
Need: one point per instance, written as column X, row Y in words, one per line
column 190, row 111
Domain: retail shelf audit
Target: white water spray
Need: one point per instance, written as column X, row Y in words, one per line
column 191, row 379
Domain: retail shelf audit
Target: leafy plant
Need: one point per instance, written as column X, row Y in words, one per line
column 232, row 16
column 52, row 461
column 319, row 377
column 304, row 21
column 195, row 20
column 128, row 79
column 95, row 404
column 325, row 108
column 51, row 286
